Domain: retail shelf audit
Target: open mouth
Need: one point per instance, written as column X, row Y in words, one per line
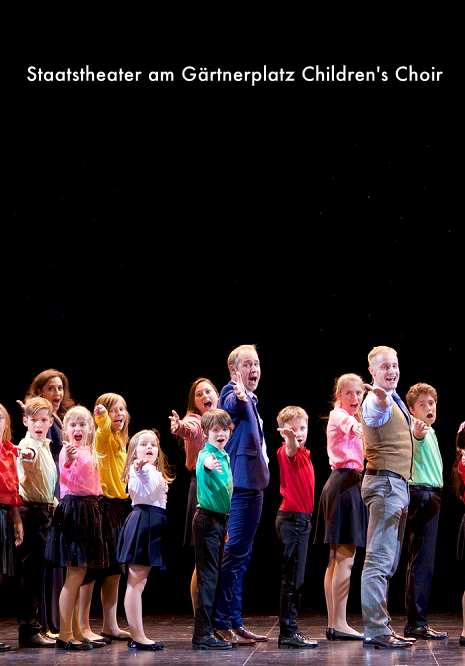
column 207, row 404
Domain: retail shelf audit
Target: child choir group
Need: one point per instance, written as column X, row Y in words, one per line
column 65, row 522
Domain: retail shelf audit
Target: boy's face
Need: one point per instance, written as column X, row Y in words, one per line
column 38, row 424
column 218, row 436
column 385, row 371
column 425, row 408
column 300, row 427
column 248, row 367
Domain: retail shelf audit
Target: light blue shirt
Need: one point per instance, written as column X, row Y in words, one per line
column 375, row 416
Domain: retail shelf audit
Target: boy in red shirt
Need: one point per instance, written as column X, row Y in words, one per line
column 293, row 521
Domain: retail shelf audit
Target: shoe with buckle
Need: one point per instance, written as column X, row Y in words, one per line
column 388, row 641
column 298, row 640
column 148, row 647
column 210, row 642
column 72, row 644
column 245, row 633
column 38, row 640
column 230, row 636
column 425, row 632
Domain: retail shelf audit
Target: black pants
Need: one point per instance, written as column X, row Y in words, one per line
column 37, row 521
column 422, row 531
column 293, row 530
column 209, row 529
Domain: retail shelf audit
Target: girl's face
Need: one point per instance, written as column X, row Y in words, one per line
column 78, row 430
column 351, row 396
column 147, row 448
column 53, row 391
column 118, row 416
column 205, row 397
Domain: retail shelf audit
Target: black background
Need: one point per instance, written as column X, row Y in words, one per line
column 148, row 229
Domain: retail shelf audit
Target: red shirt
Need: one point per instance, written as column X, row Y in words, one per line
column 9, row 475
column 297, row 480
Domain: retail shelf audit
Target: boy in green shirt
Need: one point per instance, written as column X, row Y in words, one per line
column 209, row 526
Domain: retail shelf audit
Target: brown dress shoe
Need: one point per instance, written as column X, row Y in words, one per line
column 233, row 637
column 245, row 633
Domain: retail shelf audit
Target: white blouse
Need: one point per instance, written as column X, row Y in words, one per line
column 147, row 486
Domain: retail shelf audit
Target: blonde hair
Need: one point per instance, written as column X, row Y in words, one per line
column 376, row 351
column 7, row 434
column 32, row 406
column 161, row 463
column 81, row 411
column 108, row 400
column 291, row 413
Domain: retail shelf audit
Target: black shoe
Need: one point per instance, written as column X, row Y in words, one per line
column 102, row 639
column 95, row 644
column 330, row 634
column 341, row 636
column 72, row 645
column 462, row 640
column 151, row 647
column 425, row 632
column 210, row 643
column 388, row 641
column 7, row 648
column 115, row 638
column 37, row 640
column 298, row 640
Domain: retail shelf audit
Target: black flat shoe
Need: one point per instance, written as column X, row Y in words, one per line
column 148, row 647
column 116, row 638
column 330, row 634
column 95, row 644
column 341, row 636
column 102, row 639
column 72, row 645
column 462, row 640
column 7, row 648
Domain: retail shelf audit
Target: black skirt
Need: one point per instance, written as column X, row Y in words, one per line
column 76, row 539
column 342, row 515
column 191, row 507
column 461, row 540
column 140, row 540
column 113, row 513
column 7, row 540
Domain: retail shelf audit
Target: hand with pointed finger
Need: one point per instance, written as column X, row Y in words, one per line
column 139, row 463
column 21, row 404
column 357, row 430
column 239, row 388
column 174, row 422
column 419, row 428
column 213, row 463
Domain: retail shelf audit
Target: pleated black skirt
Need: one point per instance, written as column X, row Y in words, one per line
column 76, row 539
column 342, row 516
column 113, row 513
column 140, row 540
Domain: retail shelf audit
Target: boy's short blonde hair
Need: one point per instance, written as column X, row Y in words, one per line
column 291, row 413
column 418, row 389
column 376, row 351
column 32, row 406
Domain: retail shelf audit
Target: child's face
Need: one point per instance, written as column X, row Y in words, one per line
column 205, row 397
column 248, row 367
column 38, row 424
column 351, row 396
column 117, row 415
column 78, row 430
column 218, row 436
column 300, row 427
column 53, row 391
column 147, row 448
column 425, row 408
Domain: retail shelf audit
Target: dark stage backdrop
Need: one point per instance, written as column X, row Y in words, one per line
column 151, row 228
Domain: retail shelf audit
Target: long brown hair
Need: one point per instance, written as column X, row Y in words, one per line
column 108, row 400
column 39, row 382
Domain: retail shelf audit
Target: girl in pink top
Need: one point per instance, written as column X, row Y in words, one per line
column 76, row 540
column 203, row 395
column 342, row 518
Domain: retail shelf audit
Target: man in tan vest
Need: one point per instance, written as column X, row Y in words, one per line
column 388, row 451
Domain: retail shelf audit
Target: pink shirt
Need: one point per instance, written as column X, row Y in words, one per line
column 191, row 432
column 344, row 448
column 79, row 477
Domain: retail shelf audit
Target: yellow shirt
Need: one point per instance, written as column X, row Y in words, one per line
column 112, row 458
column 37, row 477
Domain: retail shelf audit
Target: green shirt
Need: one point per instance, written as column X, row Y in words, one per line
column 214, row 490
column 427, row 461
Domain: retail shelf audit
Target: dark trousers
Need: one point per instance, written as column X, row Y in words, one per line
column 37, row 521
column 246, row 509
column 293, row 530
column 209, row 530
column 422, row 527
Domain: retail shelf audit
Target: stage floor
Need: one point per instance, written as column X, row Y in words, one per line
column 176, row 633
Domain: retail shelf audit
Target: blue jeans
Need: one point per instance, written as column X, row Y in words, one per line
column 386, row 499
column 246, row 509
column 293, row 530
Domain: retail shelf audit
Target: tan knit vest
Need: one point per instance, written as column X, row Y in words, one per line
column 390, row 446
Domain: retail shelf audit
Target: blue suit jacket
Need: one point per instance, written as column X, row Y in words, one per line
column 244, row 447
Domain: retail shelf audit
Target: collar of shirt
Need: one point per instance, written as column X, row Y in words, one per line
column 210, row 447
column 39, row 442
